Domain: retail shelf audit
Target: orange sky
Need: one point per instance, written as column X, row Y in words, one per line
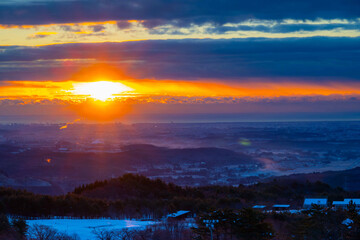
column 65, row 90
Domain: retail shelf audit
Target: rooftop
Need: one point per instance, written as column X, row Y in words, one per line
column 178, row 213
column 319, row 201
column 259, row 206
column 347, row 201
column 281, row 205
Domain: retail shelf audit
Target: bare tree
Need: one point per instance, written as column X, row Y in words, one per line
column 41, row 232
column 103, row 234
column 143, row 234
column 64, row 236
column 125, row 234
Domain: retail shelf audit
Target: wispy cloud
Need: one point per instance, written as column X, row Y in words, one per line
column 41, row 35
column 129, row 30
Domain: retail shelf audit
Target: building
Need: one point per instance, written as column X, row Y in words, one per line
column 308, row 202
column 281, row 207
column 179, row 215
column 259, row 207
column 346, row 202
column 339, row 204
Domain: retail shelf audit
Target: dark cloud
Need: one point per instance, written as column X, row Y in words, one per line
column 98, row 28
column 316, row 58
column 76, row 28
column 123, row 24
column 181, row 11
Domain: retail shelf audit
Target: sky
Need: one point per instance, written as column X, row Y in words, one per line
column 189, row 60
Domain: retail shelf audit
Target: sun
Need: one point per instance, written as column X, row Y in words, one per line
column 101, row 90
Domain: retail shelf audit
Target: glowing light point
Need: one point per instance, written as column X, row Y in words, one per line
column 245, row 142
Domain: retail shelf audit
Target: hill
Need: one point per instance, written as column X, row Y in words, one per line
column 347, row 179
column 68, row 169
column 137, row 196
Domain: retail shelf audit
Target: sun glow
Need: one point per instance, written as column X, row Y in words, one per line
column 102, row 90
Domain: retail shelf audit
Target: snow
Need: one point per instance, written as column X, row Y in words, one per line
column 84, row 227
column 347, row 222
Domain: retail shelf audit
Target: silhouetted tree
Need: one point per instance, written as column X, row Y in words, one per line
column 246, row 224
column 320, row 223
column 354, row 224
column 19, row 226
column 250, row 225
column 41, row 232
column 4, row 223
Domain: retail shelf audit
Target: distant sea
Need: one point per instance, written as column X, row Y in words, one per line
column 191, row 118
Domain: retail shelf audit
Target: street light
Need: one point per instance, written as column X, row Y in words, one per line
column 210, row 224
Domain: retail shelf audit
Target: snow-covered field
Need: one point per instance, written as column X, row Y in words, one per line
column 84, row 227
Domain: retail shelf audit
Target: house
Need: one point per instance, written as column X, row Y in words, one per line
column 354, row 200
column 259, row 207
column 346, row 202
column 179, row 215
column 281, row 207
column 339, row 204
column 308, row 202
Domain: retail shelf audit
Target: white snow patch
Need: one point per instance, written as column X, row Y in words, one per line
column 84, row 227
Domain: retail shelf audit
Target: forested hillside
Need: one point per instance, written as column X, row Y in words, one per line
column 138, row 196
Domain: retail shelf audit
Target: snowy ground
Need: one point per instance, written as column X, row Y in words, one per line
column 84, row 227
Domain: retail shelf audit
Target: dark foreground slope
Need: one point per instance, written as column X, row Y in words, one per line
column 135, row 196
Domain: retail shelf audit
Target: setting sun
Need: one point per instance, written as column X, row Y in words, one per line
column 101, row 90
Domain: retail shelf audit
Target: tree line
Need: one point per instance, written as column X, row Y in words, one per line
column 135, row 196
